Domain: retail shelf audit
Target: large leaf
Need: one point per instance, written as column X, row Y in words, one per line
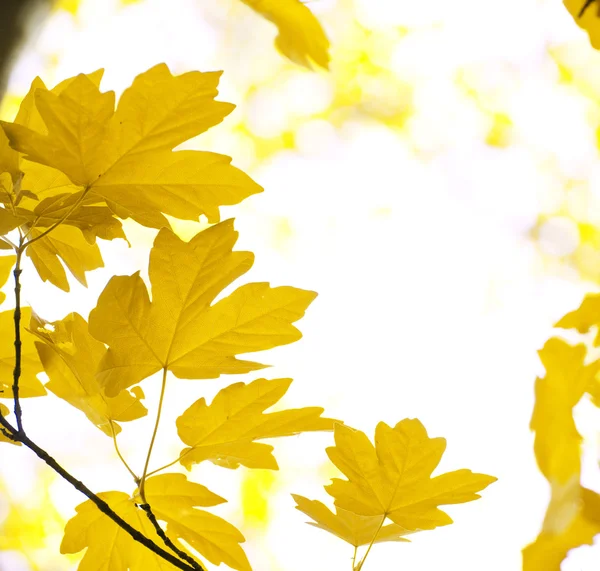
column 393, row 478
column 225, row 431
column 70, row 356
column 125, row 156
column 173, row 500
column 180, row 330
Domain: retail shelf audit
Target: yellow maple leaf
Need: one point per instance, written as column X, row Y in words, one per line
column 301, row 37
column 69, row 245
column 357, row 530
column 180, row 330
column 29, row 385
column 571, row 518
column 70, row 356
column 393, row 478
column 125, row 157
column 586, row 14
column 174, row 500
column 225, row 431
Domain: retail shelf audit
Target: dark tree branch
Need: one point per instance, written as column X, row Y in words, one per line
column 168, row 542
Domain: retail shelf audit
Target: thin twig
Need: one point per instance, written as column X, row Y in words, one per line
column 168, row 542
column 114, row 437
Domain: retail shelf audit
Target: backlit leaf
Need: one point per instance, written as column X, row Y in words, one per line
column 225, row 431
column 70, row 356
column 571, row 518
column 301, row 37
column 125, row 157
column 393, row 478
column 586, row 316
column 355, row 529
column 174, row 500
column 180, row 330
column 68, row 244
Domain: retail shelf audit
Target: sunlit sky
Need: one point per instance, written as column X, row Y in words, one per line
column 438, row 187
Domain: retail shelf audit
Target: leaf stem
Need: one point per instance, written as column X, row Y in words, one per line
column 162, row 468
column 354, row 557
column 160, row 405
column 114, row 437
column 362, row 561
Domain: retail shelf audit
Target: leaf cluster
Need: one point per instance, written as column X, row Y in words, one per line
column 74, row 166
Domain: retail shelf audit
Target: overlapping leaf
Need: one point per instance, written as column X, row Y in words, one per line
column 70, row 356
column 180, row 330
column 301, row 37
column 393, row 478
column 571, row 518
column 355, row 529
column 29, row 385
column 125, row 156
column 225, row 431
column 174, row 500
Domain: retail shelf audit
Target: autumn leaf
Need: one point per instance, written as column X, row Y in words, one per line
column 570, row 521
column 180, row 330
column 70, row 356
column 125, row 156
column 225, row 431
column 586, row 316
column 557, row 442
column 64, row 245
column 355, row 529
column 174, row 500
column 7, row 263
column 301, row 37
column 586, row 14
column 29, row 385
column 393, row 478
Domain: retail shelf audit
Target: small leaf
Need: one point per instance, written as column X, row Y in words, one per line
column 355, row 529
column 70, row 356
column 586, row 316
column 225, row 431
column 301, row 37
column 68, row 244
